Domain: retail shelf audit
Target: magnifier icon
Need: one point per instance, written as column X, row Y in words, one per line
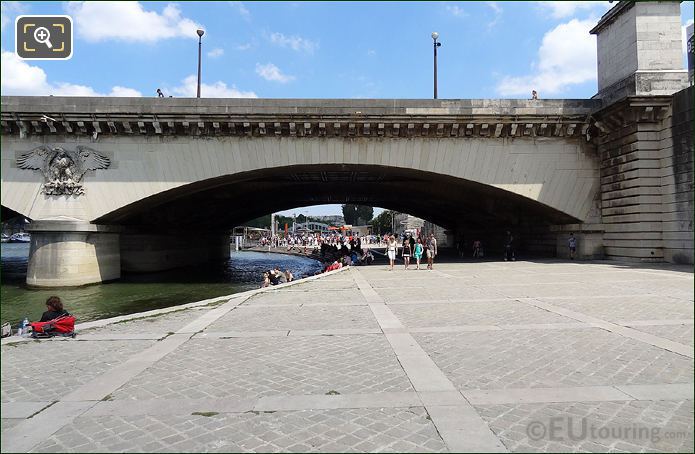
column 43, row 36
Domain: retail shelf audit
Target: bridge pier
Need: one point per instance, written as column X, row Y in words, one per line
column 64, row 254
column 151, row 252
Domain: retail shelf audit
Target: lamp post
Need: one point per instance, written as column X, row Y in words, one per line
column 200, row 33
column 435, row 35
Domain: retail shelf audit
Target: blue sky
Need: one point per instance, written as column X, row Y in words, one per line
column 316, row 50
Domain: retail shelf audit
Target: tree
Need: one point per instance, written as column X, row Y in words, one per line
column 357, row 214
column 382, row 223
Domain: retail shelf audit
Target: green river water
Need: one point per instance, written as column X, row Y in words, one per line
column 139, row 292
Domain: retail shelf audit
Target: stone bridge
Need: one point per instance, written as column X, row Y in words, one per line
column 117, row 184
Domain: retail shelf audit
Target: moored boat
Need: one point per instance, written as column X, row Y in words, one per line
column 21, row 237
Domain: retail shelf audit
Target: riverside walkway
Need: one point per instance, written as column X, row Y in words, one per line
column 515, row 356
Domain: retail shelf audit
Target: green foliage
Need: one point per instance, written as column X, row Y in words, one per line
column 382, row 223
column 357, row 214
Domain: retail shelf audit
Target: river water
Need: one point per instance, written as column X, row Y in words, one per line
column 138, row 292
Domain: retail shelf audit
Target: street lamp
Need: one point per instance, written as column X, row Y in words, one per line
column 435, row 35
column 200, row 33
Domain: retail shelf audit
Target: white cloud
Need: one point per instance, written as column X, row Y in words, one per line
column 271, row 72
column 296, row 43
column 245, row 46
column 128, row 21
column 20, row 78
column 497, row 10
column 241, row 8
column 216, row 52
column 8, row 9
column 124, row 92
column 495, row 7
column 567, row 56
column 371, row 53
column 563, row 9
column 218, row 89
column 455, row 10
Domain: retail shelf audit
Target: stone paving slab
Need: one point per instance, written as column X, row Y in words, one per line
column 157, row 324
column 22, row 410
column 568, row 289
column 392, row 295
column 651, row 426
column 8, row 423
column 295, row 318
column 615, row 308
column 316, row 365
column 47, row 371
column 338, row 430
column 309, row 296
column 678, row 333
column 253, row 367
column 533, row 358
column 473, row 313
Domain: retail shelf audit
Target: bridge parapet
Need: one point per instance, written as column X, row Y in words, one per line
column 296, row 118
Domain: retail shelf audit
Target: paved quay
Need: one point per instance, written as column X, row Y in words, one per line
column 478, row 357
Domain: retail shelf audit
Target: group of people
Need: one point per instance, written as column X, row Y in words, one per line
column 275, row 277
column 509, row 247
column 412, row 247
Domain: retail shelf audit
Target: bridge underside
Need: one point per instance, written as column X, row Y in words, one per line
column 190, row 224
column 222, row 203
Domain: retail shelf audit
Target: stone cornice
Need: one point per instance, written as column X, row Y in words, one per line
column 304, row 118
column 611, row 15
column 630, row 110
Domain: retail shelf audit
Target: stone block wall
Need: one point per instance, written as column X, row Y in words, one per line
column 617, row 50
column 677, row 179
column 646, row 179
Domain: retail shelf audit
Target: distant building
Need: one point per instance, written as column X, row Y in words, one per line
column 336, row 220
column 312, row 226
column 406, row 223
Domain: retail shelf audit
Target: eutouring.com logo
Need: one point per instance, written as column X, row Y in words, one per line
column 567, row 428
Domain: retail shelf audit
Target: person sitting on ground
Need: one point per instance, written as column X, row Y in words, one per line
column 55, row 309
column 273, row 277
column 282, row 279
column 368, row 257
column 266, row 280
column 288, row 275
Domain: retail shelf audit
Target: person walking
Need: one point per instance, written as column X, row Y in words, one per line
column 476, row 249
column 572, row 243
column 509, row 247
column 417, row 253
column 406, row 252
column 431, row 251
column 391, row 247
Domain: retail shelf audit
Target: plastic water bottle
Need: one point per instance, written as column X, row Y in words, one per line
column 23, row 326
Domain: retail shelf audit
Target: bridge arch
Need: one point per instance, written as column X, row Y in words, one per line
column 212, row 164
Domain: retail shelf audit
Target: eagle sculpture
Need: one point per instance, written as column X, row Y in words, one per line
column 63, row 169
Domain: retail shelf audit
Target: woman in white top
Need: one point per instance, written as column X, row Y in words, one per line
column 391, row 250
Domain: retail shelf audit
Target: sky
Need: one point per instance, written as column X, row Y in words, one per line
column 316, row 50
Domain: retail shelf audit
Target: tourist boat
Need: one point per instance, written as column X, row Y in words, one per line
column 22, row 237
